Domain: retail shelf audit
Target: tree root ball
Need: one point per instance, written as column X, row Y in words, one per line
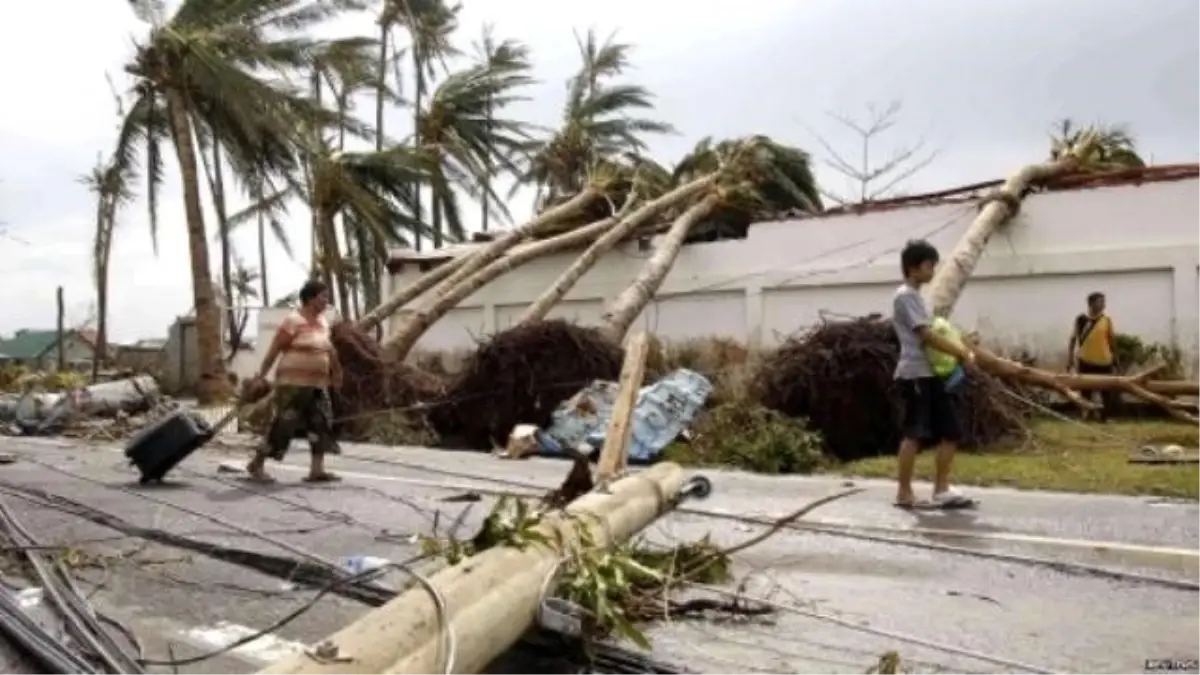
column 373, row 385
column 839, row 376
column 519, row 376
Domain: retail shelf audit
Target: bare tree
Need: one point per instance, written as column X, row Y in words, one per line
column 870, row 179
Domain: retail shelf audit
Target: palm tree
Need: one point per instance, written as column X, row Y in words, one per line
column 374, row 194
column 205, row 67
column 371, row 191
column 430, row 24
column 110, row 184
column 599, row 122
column 503, row 56
column 1108, row 147
column 342, row 68
column 242, row 292
column 214, row 171
column 753, row 174
column 460, row 137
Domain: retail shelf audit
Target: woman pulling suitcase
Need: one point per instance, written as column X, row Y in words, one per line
column 308, row 367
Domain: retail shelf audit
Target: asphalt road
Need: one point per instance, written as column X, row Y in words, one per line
column 943, row 592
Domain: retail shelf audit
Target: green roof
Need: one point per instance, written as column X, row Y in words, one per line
column 28, row 344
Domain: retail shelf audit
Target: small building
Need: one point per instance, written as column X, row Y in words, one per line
column 38, row 349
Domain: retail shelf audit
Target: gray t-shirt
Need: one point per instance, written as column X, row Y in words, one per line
column 909, row 314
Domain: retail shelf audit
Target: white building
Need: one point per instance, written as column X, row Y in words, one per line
column 1133, row 236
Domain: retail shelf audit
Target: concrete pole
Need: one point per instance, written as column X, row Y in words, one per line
column 491, row 598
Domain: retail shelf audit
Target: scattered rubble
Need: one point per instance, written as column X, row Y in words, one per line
column 106, row 409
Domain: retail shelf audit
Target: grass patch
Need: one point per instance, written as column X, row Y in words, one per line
column 1069, row 458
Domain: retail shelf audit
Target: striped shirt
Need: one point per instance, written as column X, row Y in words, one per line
column 305, row 358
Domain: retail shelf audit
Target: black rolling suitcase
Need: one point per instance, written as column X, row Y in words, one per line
column 159, row 447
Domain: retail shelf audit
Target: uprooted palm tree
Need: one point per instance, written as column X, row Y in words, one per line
column 206, row 66
column 1108, row 147
column 600, row 120
column 753, row 174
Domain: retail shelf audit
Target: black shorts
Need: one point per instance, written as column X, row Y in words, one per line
column 1086, row 368
column 930, row 414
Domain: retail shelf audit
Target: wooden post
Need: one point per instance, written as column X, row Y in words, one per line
column 615, row 453
column 491, row 598
column 62, row 347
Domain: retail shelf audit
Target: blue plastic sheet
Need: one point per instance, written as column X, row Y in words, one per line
column 663, row 410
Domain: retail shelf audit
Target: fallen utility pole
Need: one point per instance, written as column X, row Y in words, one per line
column 491, row 599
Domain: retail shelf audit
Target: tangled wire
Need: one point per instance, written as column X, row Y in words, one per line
column 839, row 376
column 519, row 376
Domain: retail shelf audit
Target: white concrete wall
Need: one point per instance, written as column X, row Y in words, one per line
column 1137, row 244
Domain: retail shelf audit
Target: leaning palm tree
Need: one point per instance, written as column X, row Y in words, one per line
column 207, row 65
column 599, row 120
column 496, row 56
column 1109, row 147
column 460, row 136
column 111, row 185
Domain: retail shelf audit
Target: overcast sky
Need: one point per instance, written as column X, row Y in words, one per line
column 981, row 81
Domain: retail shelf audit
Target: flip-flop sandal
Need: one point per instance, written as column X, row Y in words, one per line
column 957, row 504
column 323, row 478
column 911, row 506
column 259, row 480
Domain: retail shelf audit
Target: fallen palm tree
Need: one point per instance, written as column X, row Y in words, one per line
column 588, row 259
column 750, row 175
column 474, row 275
column 449, row 274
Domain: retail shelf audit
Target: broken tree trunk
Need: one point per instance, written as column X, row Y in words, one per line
column 625, row 309
column 493, row 597
column 571, row 276
column 415, row 325
column 951, row 276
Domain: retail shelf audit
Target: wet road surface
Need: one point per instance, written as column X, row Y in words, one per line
column 937, row 593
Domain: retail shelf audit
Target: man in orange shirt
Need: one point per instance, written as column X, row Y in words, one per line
column 1093, row 349
column 308, row 368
